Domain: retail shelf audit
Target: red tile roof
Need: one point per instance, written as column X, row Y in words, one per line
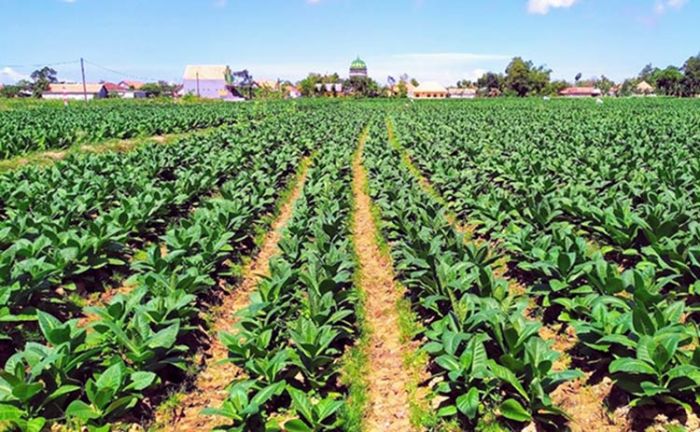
column 580, row 91
column 113, row 88
column 136, row 85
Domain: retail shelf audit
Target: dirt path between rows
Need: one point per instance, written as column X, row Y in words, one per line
column 209, row 389
column 388, row 408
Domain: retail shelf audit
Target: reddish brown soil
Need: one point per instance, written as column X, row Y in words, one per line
column 388, row 407
column 562, row 342
column 585, row 403
column 210, row 387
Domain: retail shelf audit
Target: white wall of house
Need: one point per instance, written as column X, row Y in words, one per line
column 68, row 96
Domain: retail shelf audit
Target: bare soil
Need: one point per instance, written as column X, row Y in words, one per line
column 210, row 386
column 586, row 404
column 388, row 407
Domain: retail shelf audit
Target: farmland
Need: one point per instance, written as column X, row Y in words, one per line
column 346, row 265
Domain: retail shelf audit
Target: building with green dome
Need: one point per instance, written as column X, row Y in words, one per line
column 358, row 68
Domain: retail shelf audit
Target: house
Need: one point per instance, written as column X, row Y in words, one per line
column 209, row 82
column 66, row 91
column 615, row 90
column 573, row 92
column 118, row 90
column 644, row 89
column 428, row 90
column 133, row 85
column 461, row 93
column 292, row 92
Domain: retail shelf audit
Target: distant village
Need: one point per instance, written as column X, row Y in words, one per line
column 220, row 82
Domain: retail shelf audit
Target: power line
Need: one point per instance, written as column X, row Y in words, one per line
column 124, row 74
column 61, row 63
column 77, row 62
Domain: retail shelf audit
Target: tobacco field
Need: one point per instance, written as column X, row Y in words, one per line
column 532, row 265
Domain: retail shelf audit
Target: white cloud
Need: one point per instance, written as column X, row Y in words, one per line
column 542, row 7
column 9, row 75
column 662, row 6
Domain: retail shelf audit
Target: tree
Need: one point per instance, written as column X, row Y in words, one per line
column 518, row 77
column 465, row 83
column 490, row 81
column 627, row 87
column 539, row 79
column 554, row 87
column 414, row 82
column 605, row 84
column 10, row 91
column 402, row 89
column 362, row 86
column 42, row 78
column 523, row 78
column 307, row 86
column 691, row 80
column 668, row 81
column 647, row 73
column 152, row 89
column 159, row 89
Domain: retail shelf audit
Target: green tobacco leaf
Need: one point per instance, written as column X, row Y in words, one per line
column 35, row 425
column 82, row 411
column 447, row 411
column 631, row 366
column 10, row 413
column 24, row 392
column 511, row 409
column 164, row 338
column 141, row 380
column 63, row 390
column 468, row 404
column 296, row 425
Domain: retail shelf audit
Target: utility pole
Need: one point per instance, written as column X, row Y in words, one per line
column 82, row 71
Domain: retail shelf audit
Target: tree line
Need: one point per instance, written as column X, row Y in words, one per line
column 523, row 78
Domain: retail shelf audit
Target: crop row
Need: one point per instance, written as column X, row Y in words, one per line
column 488, row 355
column 289, row 340
column 55, row 127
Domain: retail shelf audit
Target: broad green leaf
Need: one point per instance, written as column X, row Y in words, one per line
column 511, row 409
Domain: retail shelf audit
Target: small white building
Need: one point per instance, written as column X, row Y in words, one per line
column 428, row 90
column 461, row 93
column 330, row 89
column 75, row 92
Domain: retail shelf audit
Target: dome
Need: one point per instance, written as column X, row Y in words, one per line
column 358, row 64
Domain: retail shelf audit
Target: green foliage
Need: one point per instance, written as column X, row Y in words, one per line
column 53, row 127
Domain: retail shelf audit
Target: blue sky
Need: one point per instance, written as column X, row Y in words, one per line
column 442, row 40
